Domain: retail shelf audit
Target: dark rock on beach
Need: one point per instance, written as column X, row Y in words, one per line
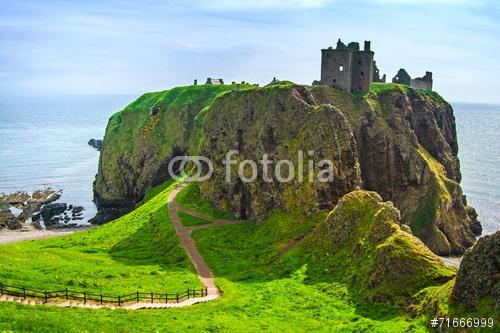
column 107, row 214
column 39, row 208
column 14, row 198
column 76, row 209
column 45, row 196
column 51, row 211
column 9, row 221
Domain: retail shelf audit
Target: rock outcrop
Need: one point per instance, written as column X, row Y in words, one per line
column 9, row 220
column 479, row 275
column 403, row 141
column 407, row 150
column 281, row 123
column 362, row 244
column 14, row 199
column 38, row 208
column 395, row 140
column 95, row 143
column 50, row 213
column 141, row 140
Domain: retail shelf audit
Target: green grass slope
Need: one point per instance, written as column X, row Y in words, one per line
column 265, row 288
column 139, row 251
column 191, row 221
column 361, row 244
column 190, row 197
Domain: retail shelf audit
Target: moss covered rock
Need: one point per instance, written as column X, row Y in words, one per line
column 361, row 243
column 140, row 141
column 407, row 148
column 281, row 122
column 479, row 275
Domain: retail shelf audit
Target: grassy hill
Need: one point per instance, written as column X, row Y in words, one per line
column 138, row 251
column 265, row 287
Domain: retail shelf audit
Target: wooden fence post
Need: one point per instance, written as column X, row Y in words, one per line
column 46, row 296
column 24, row 292
column 101, row 299
column 67, row 296
column 119, row 301
column 152, row 299
column 188, row 293
column 177, row 297
column 166, row 297
column 84, row 297
column 1, row 288
column 137, row 296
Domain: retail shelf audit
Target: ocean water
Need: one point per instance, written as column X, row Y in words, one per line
column 43, row 142
column 478, row 128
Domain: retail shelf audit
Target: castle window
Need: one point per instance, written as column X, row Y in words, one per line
column 362, row 73
column 341, row 68
column 359, row 62
column 334, row 81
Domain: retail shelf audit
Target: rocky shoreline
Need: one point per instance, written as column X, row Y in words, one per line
column 38, row 210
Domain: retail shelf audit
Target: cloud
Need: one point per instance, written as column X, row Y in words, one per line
column 231, row 5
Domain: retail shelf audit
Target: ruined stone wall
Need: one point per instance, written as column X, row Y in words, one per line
column 402, row 77
column 422, row 84
column 336, row 68
column 362, row 71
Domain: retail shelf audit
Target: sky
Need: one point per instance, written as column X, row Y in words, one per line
column 131, row 47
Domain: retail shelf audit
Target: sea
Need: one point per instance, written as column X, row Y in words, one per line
column 43, row 142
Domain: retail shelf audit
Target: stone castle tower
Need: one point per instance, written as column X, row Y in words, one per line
column 347, row 67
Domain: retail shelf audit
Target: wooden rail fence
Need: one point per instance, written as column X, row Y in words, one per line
column 85, row 296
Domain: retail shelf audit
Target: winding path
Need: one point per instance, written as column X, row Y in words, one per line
column 185, row 239
column 188, row 243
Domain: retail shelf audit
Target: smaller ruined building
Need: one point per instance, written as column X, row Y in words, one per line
column 402, row 77
column 214, row 81
column 424, row 82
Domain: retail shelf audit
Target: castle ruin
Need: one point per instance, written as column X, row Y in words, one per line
column 350, row 69
column 347, row 67
column 424, row 82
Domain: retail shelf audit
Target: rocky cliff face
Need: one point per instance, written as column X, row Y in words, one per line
column 397, row 141
column 140, row 141
column 402, row 140
column 280, row 122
